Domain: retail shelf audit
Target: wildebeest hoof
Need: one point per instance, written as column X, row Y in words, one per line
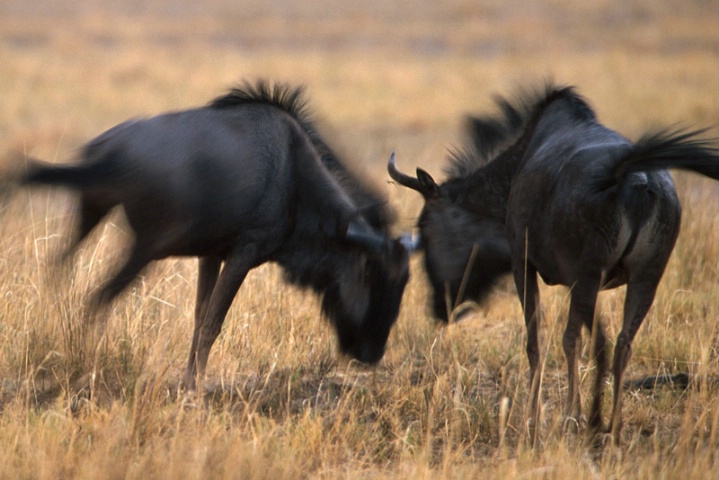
column 533, row 430
column 573, row 424
column 598, row 440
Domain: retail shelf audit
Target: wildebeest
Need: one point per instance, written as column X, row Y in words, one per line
column 239, row 182
column 544, row 188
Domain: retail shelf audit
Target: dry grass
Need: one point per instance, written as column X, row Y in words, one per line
column 445, row 402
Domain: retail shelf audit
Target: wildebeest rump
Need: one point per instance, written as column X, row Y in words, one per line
column 544, row 188
column 243, row 181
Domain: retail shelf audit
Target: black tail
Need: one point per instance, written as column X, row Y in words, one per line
column 77, row 177
column 669, row 149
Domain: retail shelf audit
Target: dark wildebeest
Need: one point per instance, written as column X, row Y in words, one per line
column 243, row 181
column 546, row 189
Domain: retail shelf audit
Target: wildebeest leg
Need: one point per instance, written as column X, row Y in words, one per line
column 600, row 361
column 140, row 256
column 237, row 264
column 525, row 278
column 639, row 298
column 581, row 312
column 92, row 211
column 209, row 271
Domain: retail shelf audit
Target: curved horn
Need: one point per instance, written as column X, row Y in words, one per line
column 362, row 234
column 402, row 178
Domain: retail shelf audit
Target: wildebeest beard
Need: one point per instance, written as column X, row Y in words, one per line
column 361, row 293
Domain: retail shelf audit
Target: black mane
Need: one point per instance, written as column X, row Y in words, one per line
column 292, row 100
column 286, row 98
column 280, row 95
column 490, row 134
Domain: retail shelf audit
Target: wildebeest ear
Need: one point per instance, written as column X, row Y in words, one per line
column 427, row 184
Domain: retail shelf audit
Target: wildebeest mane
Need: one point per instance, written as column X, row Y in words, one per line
column 292, row 101
column 279, row 95
column 489, row 134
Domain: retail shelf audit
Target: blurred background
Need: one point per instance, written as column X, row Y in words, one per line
column 382, row 74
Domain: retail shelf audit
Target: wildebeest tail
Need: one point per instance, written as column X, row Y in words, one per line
column 671, row 149
column 79, row 176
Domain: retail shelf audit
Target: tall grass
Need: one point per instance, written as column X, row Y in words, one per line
column 102, row 402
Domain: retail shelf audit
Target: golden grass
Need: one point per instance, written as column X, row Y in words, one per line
column 445, row 402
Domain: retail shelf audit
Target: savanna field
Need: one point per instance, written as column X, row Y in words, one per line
column 279, row 402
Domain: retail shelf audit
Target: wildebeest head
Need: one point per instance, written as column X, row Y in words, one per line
column 354, row 264
column 363, row 299
column 361, row 275
column 465, row 249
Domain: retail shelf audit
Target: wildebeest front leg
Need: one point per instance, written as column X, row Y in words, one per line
column 525, row 278
column 639, row 298
column 208, row 272
column 238, row 263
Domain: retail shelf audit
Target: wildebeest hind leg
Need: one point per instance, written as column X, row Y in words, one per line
column 600, row 361
column 639, row 298
column 233, row 273
column 92, row 211
column 140, row 256
column 581, row 312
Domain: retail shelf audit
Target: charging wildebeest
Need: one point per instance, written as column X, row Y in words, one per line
column 243, row 181
column 544, row 188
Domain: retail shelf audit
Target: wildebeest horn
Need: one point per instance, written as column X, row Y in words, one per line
column 363, row 234
column 410, row 242
column 402, row 178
